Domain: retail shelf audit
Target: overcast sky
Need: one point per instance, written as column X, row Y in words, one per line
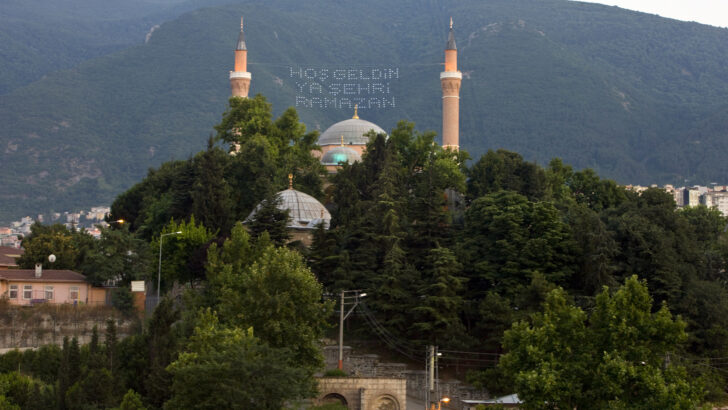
column 713, row 12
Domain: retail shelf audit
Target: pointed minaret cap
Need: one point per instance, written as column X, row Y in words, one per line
column 451, row 38
column 241, row 37
column 356, row 109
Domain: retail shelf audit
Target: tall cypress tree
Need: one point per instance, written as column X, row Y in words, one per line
column 270, row 218
column 110, row 344
column 211, row 193
column 439, row 311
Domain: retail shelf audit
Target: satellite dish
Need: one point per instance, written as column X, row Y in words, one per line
column 51, row 258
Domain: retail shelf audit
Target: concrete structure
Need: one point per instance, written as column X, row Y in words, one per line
column 691, row 196
column 29, row 287
column 450, row 80
column 363, row 393
column 716, row 199
column 240, row 77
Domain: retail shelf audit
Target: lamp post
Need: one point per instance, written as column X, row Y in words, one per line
column 159, row 272
column 442, row 400
column 355, row 295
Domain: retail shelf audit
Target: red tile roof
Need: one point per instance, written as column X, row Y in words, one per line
column 8, row 255
column 48, row 275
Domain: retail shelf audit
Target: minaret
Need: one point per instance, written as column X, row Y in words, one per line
column 450, row 80
column 240, row 78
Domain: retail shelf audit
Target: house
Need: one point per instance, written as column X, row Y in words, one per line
column 8, row 255
column 30, row 287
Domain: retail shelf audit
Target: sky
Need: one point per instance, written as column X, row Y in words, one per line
column 712, row 12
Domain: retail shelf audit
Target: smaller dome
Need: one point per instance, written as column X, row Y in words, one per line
column 304, row 211
column 337, row 155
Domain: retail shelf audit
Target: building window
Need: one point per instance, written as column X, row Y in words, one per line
column 73, row 292
column 49, row 292
column 13, row 294
column 27, row 292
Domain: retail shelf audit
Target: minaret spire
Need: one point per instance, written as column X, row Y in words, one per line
column 450, row 80
column 240, row 77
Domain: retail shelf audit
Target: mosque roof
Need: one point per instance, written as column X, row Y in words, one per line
column 349, row 132
column 304, row 211
column 337, row 155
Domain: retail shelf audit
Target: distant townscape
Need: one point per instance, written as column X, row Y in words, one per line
column 87, row 219
column 714, row 196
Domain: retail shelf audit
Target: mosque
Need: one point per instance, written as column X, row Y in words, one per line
column 345, row 141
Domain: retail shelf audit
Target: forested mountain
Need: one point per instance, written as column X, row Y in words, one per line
column 42, row 36
column 635, row 96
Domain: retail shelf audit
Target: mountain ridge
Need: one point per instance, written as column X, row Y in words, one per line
column 594, row 85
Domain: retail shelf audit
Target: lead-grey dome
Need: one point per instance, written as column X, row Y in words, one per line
column 337, row 155
column 353, row 131
column 304, row 211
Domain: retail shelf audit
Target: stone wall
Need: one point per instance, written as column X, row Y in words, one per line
column 30, row 327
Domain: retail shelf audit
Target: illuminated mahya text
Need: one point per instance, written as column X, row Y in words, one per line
column 342, row 88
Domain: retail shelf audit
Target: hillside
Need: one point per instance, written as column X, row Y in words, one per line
column 637, row 97
column 38, row 37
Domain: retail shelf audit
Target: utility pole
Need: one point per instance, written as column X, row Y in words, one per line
column 356, row 295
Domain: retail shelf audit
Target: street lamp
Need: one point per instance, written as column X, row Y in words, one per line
column 355, row 295
column 442, row 400
column 159, row 272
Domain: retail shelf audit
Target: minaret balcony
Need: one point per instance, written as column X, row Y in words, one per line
column 240, row 74
column 451, row 74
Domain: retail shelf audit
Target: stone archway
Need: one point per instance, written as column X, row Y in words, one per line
column 386, row 402
column 334, row 398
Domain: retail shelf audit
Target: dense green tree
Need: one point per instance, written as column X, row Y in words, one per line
column 18, row 391
column 507, row 238
column 131, row 401
column 613, row 358
column 227, row 367
column 45, row 363
column 587, row 188
column 68, row 245
column 595, row 249
column 118, row 256
column 503, row 170
column 149, row 205
column 69, row 371
column 96, row 389
column 162, row 343
column 273, row 292
column 179, row 251
column 266, row 151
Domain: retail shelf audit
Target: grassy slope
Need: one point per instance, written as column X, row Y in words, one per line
column 598, row 86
